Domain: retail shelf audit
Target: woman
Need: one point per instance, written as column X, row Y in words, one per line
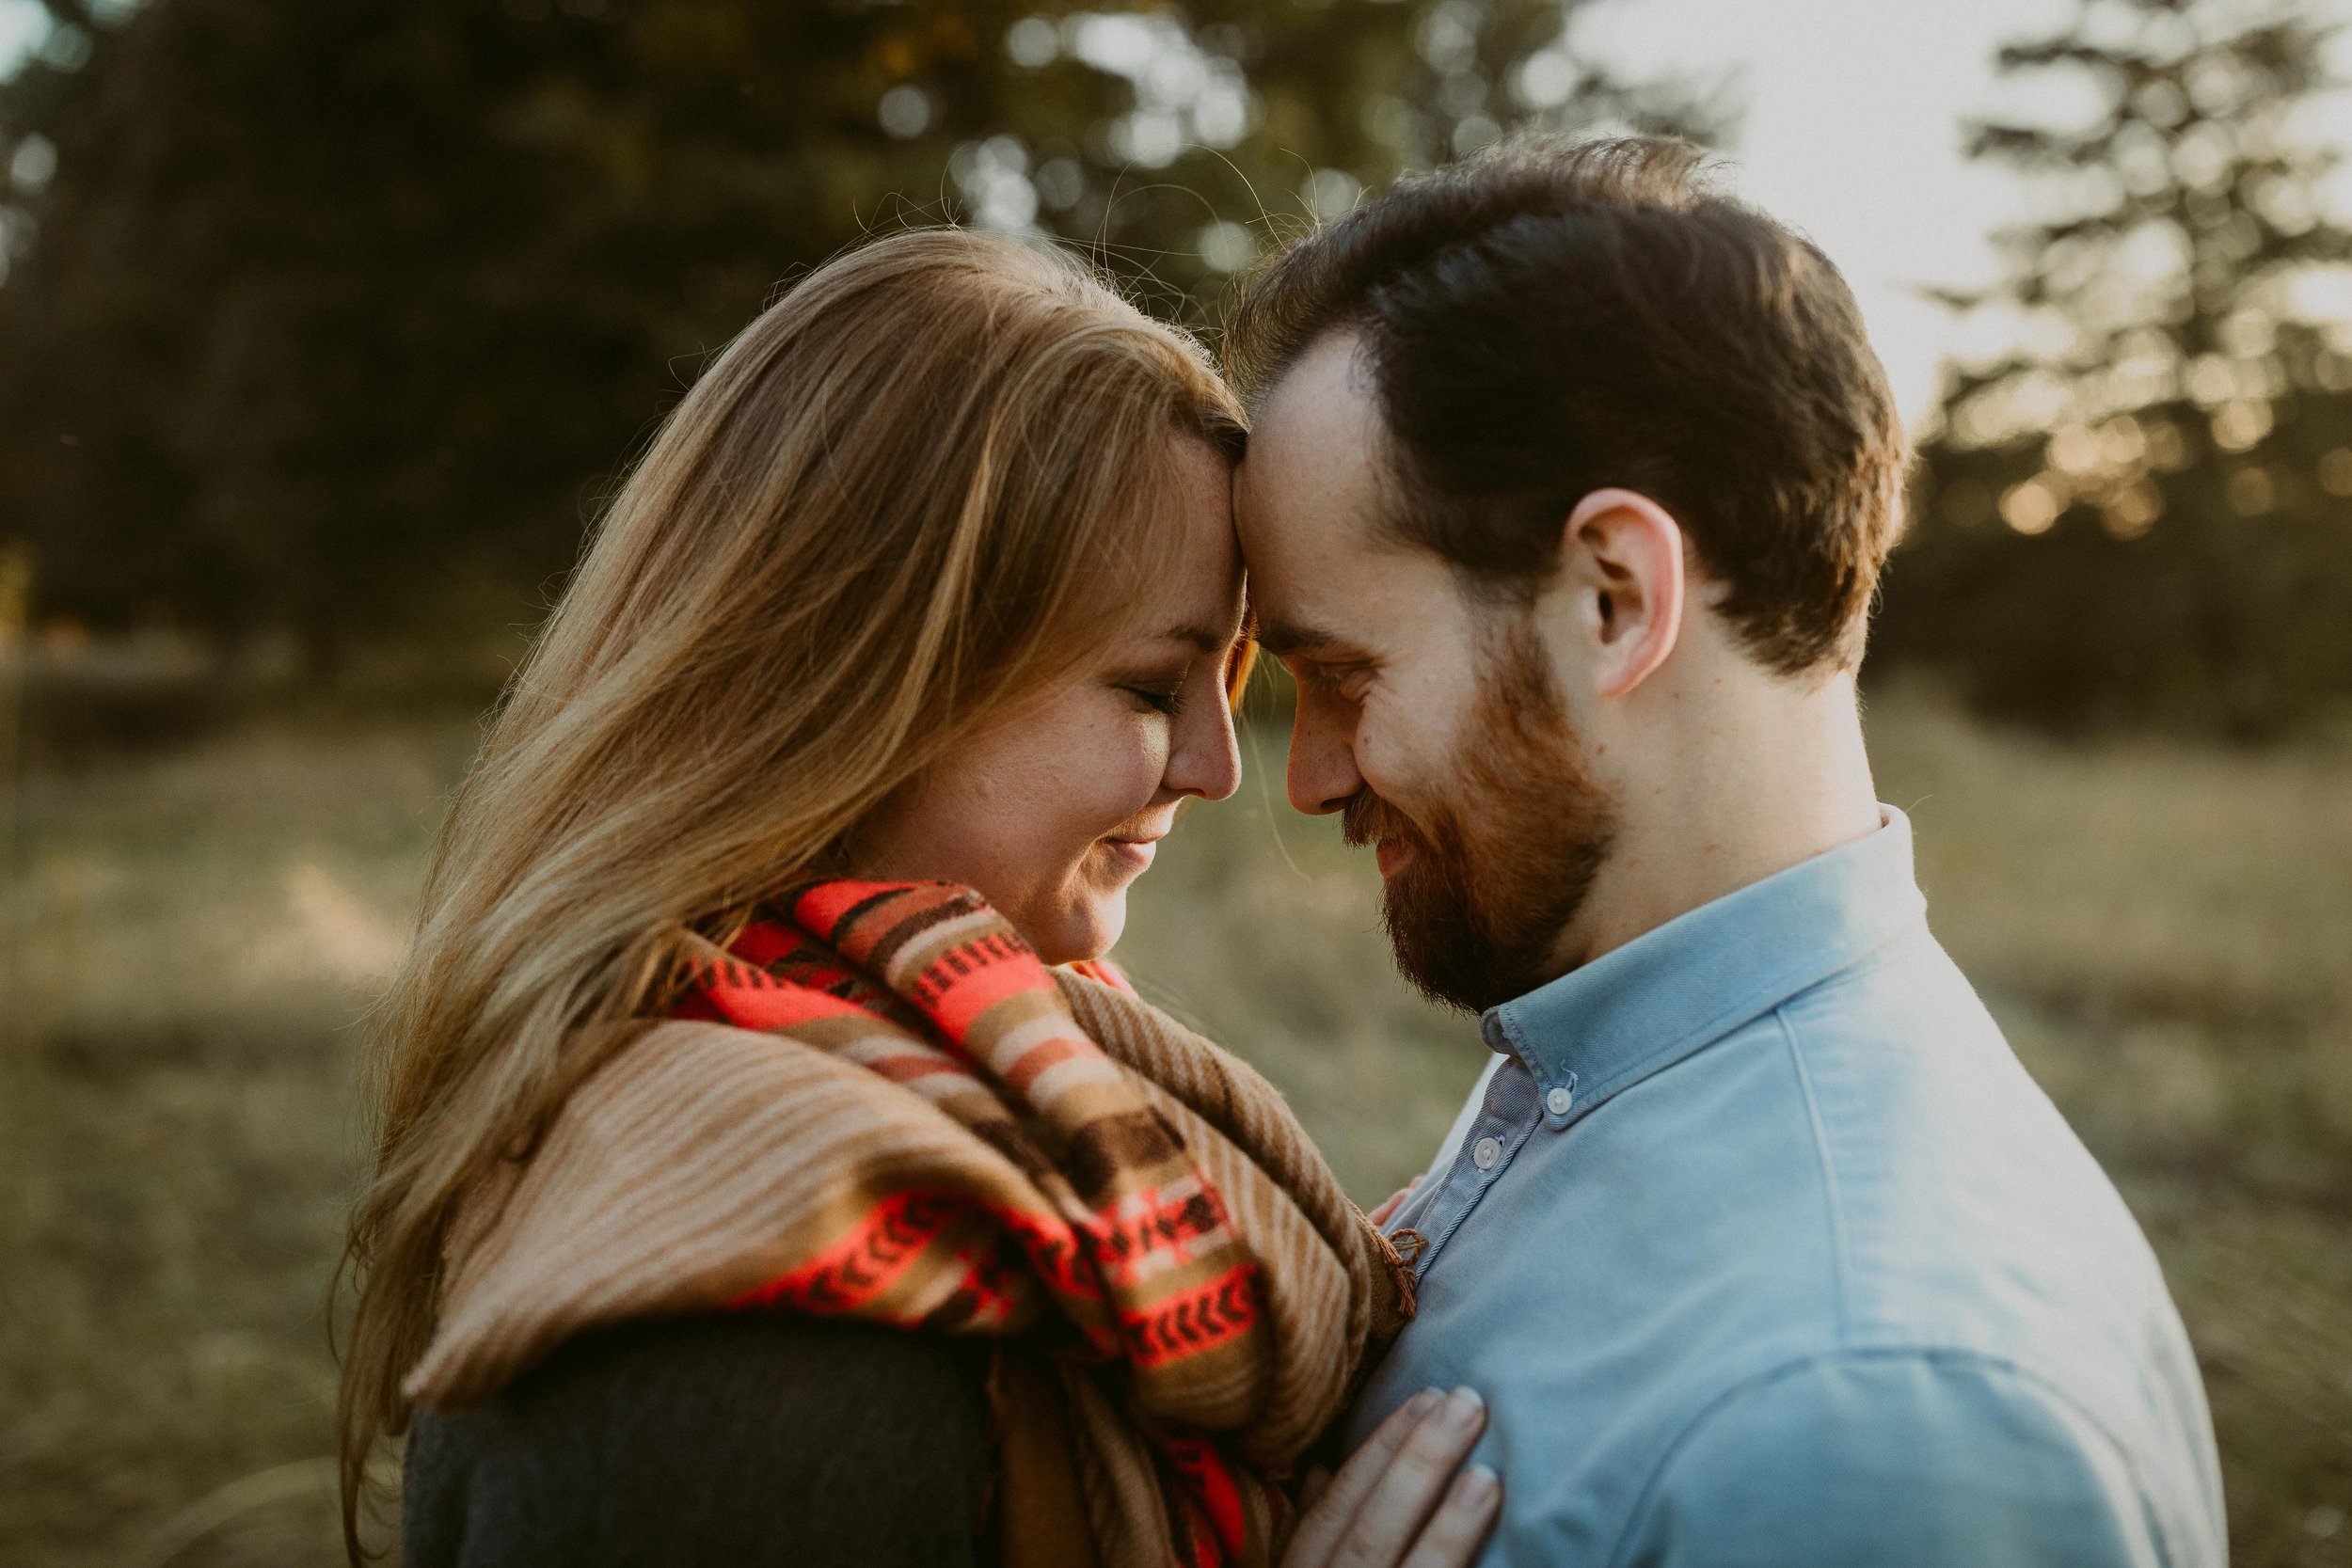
column 758, row 1015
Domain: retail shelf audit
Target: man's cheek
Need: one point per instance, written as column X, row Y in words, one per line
column 1391, row 763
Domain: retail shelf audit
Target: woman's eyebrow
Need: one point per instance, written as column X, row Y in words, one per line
column 1208, row 639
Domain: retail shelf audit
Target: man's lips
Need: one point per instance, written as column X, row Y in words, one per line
column 1367, row 819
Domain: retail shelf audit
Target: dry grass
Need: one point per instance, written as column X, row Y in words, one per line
column 178, row 1131
column 2167, row 936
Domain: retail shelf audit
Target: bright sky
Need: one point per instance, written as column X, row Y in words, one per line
column 1850, row 130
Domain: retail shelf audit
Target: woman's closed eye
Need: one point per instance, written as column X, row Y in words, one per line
column 1159, row 698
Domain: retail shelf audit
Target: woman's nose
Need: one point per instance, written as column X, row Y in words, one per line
column 1206, row 758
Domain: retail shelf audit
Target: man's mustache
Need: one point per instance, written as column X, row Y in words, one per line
column 1366, row 819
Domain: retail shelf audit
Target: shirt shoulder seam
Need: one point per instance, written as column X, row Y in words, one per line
column 1833, row 1197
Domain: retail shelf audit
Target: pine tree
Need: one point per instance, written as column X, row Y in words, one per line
column 2137, row 515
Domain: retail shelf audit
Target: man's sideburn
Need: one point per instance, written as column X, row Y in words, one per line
column 1505, row 850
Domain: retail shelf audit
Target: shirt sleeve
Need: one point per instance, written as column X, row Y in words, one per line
column 1895, row 1458
column 758, row 1441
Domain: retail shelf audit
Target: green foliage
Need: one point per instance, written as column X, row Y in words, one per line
column 343, row 318
column 2137, row 515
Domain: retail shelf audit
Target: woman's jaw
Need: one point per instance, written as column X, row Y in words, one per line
column 1086, row 913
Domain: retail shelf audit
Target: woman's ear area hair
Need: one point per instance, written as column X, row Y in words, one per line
column 1623, row 561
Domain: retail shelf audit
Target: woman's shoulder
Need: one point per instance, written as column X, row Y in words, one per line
column 744, row 1437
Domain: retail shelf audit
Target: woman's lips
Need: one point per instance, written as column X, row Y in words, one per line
column 1391, row 853
column 1134, row 853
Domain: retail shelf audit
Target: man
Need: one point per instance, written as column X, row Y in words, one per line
column 1568, row 489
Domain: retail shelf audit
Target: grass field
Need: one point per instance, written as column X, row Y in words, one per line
column 2167, row 935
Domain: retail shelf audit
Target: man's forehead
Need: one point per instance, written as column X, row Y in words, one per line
column 1323, row 413
column 1311, row 480
column 1328, row 579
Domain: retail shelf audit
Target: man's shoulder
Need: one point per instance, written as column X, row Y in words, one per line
column 1851, row 1219
column 1883, row 1175
column 1864, row 1163
column 1920, row 1455
column 1963, row 1209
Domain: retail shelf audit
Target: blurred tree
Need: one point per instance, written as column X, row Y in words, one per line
column 339, row 318
column 2137, row 515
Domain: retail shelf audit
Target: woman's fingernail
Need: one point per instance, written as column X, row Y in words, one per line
column 1462, row 1406
column 1422, row 1403
column 1476, row 1484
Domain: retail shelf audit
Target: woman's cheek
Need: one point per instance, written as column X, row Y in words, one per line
column 1124, row 765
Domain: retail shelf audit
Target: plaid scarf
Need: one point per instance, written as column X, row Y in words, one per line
column 878, row 1104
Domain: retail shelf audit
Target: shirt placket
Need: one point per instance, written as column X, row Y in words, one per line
column 1507, row 1114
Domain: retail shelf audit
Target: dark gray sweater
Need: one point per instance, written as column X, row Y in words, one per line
column 747, row 1440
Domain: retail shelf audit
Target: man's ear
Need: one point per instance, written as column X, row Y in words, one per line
column 1622, row 554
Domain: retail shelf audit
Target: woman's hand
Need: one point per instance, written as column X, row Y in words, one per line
column 1395, row 1200
column 1391, row 1506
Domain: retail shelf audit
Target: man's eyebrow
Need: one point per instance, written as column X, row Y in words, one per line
column 1302, row 639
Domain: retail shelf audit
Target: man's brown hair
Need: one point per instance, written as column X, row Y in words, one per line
column 1552, row 318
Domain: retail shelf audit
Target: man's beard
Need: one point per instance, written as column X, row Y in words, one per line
column 1505, row 853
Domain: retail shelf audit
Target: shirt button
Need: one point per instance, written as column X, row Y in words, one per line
column 1558, row 1102
column 1484, row 1152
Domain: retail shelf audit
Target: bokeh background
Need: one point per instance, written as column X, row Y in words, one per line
column 326, row 329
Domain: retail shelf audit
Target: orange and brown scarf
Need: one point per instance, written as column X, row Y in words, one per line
column 879, row 1103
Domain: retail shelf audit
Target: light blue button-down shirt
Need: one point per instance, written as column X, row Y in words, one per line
column 1764, row 1250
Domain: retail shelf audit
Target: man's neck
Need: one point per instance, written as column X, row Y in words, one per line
column 1741, row 779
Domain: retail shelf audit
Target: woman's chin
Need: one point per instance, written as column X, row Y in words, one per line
column 1087, row 927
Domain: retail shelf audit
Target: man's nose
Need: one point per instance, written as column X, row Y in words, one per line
column 1322, row 778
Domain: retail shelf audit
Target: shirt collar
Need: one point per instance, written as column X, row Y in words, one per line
column 1642, row 1008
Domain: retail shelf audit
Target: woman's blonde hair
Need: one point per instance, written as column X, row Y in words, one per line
column 916, row 490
